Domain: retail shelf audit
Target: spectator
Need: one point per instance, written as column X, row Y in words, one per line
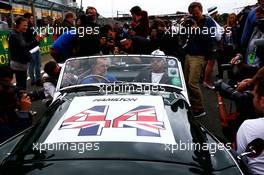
column 116, row 27
column 19, row 51
column 125, row 28
column 107, row 40
column 254, row 58
column 4, row 24
column 49, row 20
column 250, row 23
column 50, row 78
column 89, row 44
column 35, row 63
column 56, row 25
column 199, row 47
column 230, row 42
column 67, row 24
column 63, row 47
column 157, row 33
column 68, row 21
column 213, row 13
column 163, row 40
column 140, row 22
column 12, row 122
column 136, row 45
column 92, row 14
column 249, row 82
column 78, row 22
column 253, row 129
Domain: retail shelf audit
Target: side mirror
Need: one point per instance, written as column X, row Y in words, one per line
column 180, row 102
column 253, row 149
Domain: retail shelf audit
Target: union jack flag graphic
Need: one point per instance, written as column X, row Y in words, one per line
column 143, row 118
column 90, row 122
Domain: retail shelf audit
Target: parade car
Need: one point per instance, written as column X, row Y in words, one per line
column 118, row 114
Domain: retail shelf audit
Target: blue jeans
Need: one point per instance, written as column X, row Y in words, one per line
column 34, row 67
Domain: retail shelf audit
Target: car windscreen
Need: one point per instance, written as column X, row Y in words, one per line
column 110, row 69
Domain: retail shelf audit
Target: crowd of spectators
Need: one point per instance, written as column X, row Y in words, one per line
column 236, row 43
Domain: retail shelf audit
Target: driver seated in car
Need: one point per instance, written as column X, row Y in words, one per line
column 98, row 73
column 156, row 73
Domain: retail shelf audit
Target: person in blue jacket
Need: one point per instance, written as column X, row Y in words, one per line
column 63, row 47
column 250, row 23
column 98, row 73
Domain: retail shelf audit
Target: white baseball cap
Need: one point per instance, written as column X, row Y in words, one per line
column 158, row 53
column 212, row 10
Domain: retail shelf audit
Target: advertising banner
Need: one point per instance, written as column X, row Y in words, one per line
column 44, row 46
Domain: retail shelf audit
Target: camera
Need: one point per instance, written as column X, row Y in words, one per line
column 188, row 22
column 33, row 95
column 243, row 100
column 224, row 89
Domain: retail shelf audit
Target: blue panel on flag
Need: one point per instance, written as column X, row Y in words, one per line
column 141, row 132
column 89, row 131
column 140, row 107
column 98, row 108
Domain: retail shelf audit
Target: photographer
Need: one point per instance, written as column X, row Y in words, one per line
column 89, row 43
column 250, row 82
column 244, row 108
column 107, row 40
column 66, row 25
column 64, row 47
column 11, row 121
column 163, row 40
column 50, row 78
column 199, row 47
column 140, row 22
column 253, row 129
column 92, row 14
